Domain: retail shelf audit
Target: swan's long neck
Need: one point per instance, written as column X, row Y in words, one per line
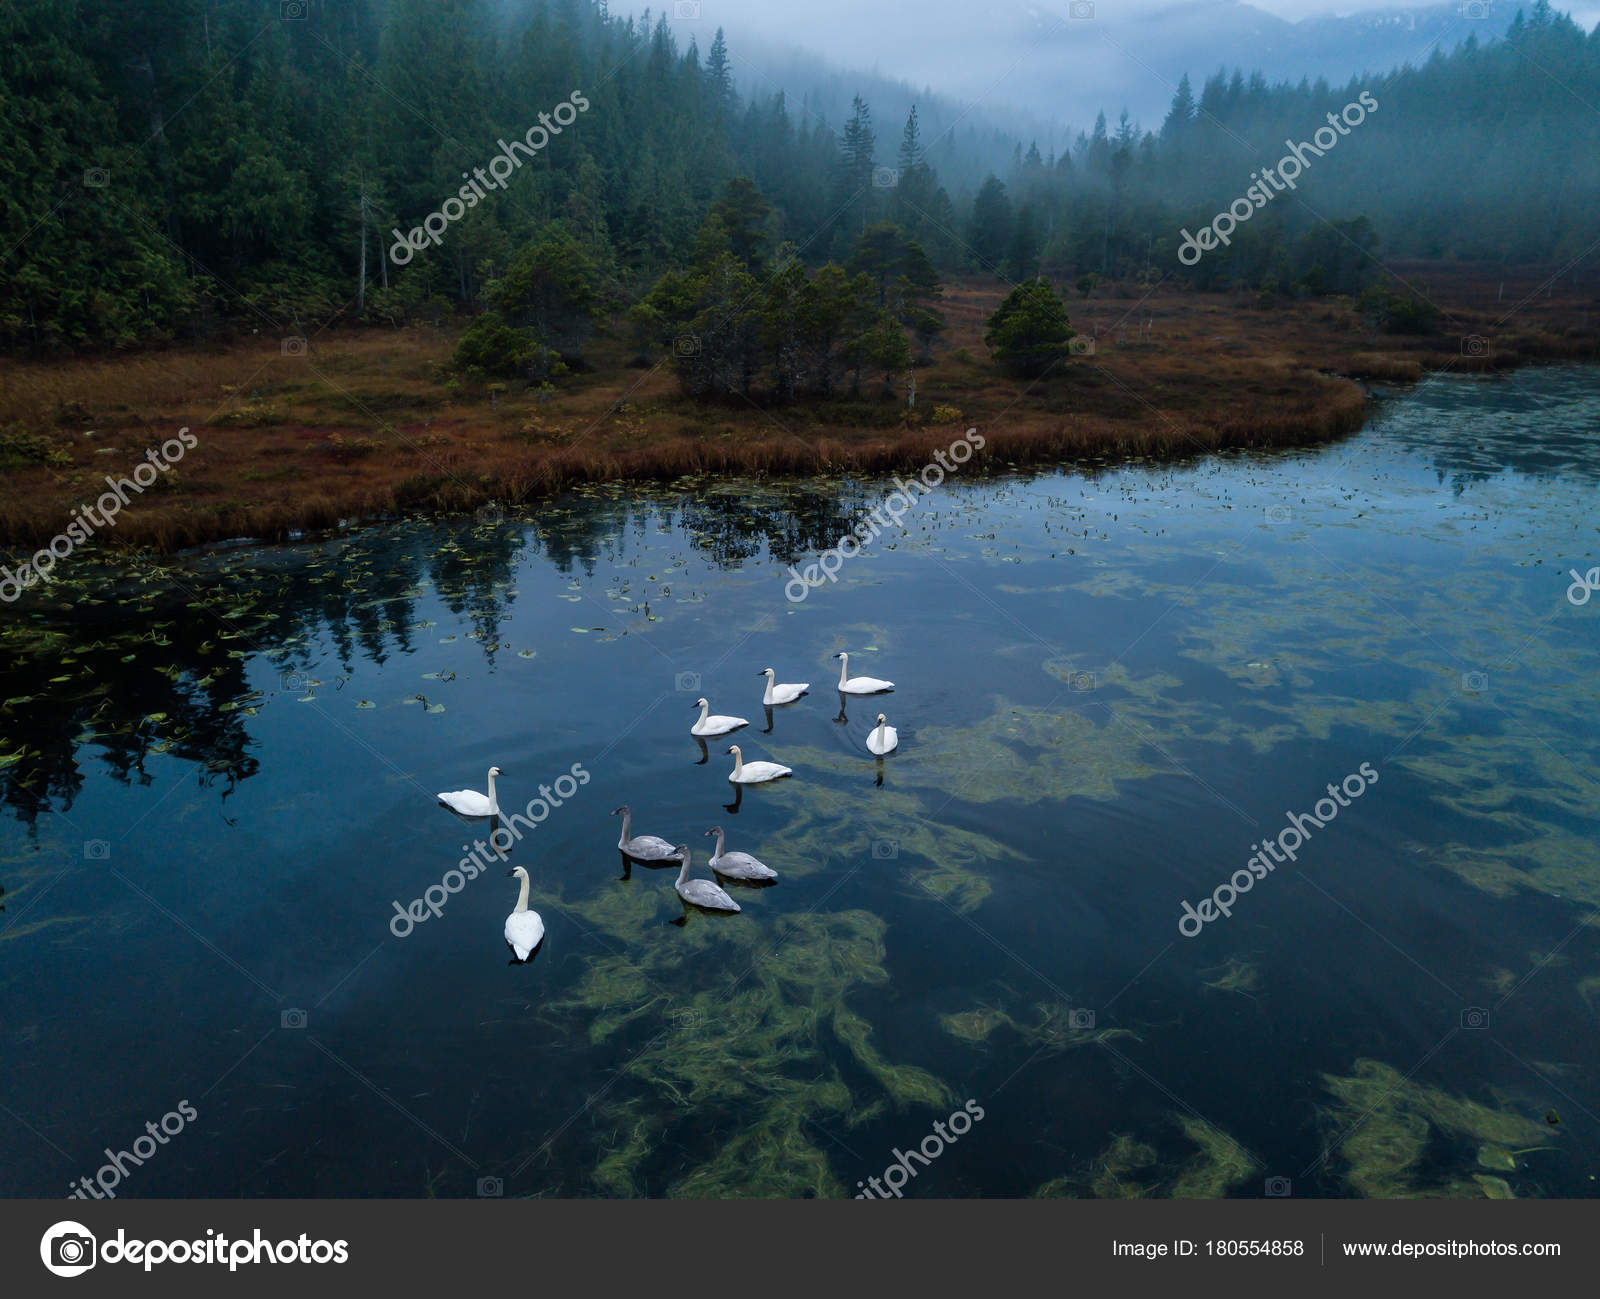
column 767, row 696
column 881, row 736
column 684, row 873
column 704, row 709
column 844, row 668
column 627, row 816
column 522, row 895
column 493, row 802
column 738, row 760
column 719, row 843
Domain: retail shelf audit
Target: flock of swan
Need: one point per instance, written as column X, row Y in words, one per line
column 524, row 930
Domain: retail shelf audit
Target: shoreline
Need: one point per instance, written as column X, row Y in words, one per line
column 303, row 446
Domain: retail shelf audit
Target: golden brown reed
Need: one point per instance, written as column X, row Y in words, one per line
column 369, row 423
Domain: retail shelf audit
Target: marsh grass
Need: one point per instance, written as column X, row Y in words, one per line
column 368, row 424
column 373, row 425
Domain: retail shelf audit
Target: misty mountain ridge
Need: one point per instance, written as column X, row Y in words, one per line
column 1063, row 71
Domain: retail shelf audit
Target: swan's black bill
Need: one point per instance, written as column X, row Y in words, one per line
column 512, row 871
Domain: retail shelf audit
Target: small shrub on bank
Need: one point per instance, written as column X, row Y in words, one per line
column 19, row 448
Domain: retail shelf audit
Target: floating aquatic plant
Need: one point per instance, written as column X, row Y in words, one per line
column 1386, row 1130
column 1131, row 1169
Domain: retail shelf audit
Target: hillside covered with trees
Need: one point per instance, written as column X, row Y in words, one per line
column 251, row 162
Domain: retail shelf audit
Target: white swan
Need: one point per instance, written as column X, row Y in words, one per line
column 738, row 865
column 702, row 893
column 754, row 773
column 776, row 694
column 883, row 739
column 524, row 929
column 468, row 802
column 645, row 848
column 850, row 685
column 720, row 724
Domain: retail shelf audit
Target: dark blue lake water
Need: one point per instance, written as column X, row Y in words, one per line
column 217, row 780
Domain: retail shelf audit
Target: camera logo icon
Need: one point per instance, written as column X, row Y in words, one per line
column 1475, row 1017
column 293, row 346
column 491, row 1188
column 292, row 1018
column 292, row 11
column 885, row 849
column 96, row 178
column 1279, row 1188
column 68, row 1249
column 686, row 11
column 885, row 177
column 1080, row 1019
column 1474, row 683
column 685, row 1019
column 687, row 681
column 1474, row 345
column 96, row 850
column 1081, row 681
column 1279, row 514
column 1478, row 9
column 1081, row 9
column 1080, row 346
column 687, row 345
column 490, row 513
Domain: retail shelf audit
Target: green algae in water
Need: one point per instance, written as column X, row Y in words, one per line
column 1117, row 1173
column 614, row 1173
column 1055, row 1027
column 974, row 1025
column 774, row 1159
column 1132, row 1169
column 1221, row 1164
column 745, row 1041
column 1123, row 1158
column 1029, row 755
column 1235, row 976
column 1494, row 1188
column 1384, row 1127
column 939, row 861
column 1498, row 1158
column 1555, row 861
